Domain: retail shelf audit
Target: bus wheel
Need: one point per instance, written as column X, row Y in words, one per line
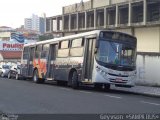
column 74, row 80
column 107, row 87
column 98, row 86
column 35, row 76
column 36, row 79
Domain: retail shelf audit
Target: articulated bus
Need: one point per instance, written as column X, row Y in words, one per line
column 100, row 58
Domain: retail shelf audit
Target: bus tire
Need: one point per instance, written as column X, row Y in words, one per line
column 36, row 77
column 98, row 86
column 60, row 83
column 74, row 80
column 107, row 87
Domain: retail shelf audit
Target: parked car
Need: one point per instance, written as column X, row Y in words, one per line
column 14, row 72
column 4, row 69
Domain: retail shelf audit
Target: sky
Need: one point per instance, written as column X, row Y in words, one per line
column 13, row 12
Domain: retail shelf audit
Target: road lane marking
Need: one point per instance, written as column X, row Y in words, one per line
column 150, row 103
column 113, row 96
column 84, row 91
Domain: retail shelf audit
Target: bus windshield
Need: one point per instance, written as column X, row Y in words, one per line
column 116, row 53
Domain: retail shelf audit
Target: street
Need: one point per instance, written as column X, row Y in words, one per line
column 26, row 97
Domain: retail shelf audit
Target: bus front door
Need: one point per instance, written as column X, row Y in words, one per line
column 51, row 58
column 89, row 58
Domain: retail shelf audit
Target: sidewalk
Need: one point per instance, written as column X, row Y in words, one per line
column 141, row 90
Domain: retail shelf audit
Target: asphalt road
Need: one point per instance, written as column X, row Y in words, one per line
column 26, row 97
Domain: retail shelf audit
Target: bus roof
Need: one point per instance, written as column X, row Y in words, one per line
column 56, row 40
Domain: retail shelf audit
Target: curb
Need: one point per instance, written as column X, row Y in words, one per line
column 140, row 93
column 147, row 94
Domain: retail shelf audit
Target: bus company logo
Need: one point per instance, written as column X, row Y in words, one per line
column 12, row 46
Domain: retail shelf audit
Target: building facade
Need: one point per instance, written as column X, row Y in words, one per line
column 5, row 33
column 28, row 23
column 140, row 18
column 35, row 23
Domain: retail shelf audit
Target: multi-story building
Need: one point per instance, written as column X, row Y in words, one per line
column 35, row 23
column 5, row 33
column 140, row 18
column 28, row 23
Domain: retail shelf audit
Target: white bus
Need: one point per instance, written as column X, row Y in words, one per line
column 99, row 57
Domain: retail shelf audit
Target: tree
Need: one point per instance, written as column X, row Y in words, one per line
column 45, row 37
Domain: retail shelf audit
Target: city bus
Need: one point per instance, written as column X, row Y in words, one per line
column 100, row 58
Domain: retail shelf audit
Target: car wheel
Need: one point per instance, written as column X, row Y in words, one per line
column 17, row 76
column 9, row 75
column 2, row 75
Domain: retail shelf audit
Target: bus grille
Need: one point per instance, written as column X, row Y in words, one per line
column 118, row 81
column 118, row 75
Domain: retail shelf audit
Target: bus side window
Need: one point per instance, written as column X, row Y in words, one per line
column 64, row 44
column 77, row 47
column 77, row 42
column 45, row 50
column 25, row 56
column 26, row 50
column 63, row 49
column 39, row 48
column 38, row 51
column 37, row 54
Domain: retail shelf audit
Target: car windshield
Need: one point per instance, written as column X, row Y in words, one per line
column 5, row 67
column 116, row 53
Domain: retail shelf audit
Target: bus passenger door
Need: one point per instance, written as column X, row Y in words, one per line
column 30, row 62
column 89, row 58
column 51, row 58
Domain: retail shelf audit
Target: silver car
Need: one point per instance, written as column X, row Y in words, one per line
column 4, row 69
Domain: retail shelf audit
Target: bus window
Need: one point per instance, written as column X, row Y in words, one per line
column 76, row 47
column 76, row 52
column 43, row 54
column 25, row 56
column 37, row 54
column 63, row 44
column 39, row 48
column 63, row 50
column 46, row 47
column 26, row 49
column 77, row 42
